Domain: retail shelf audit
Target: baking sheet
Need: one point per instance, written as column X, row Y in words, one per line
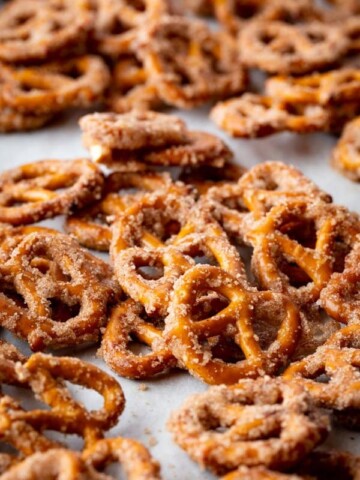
column 150, row 403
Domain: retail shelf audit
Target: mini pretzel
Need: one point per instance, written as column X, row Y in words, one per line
column 118, row 24
column 336, row 86
column 44, row 90
column 272, row 183
column 152, row 221
column 53, row 293
column 43, row 374
column 279, row 48
column 191, row 339
column 35, row 186
column 265, row 422
column 105, row 132
column 235, row 14
column 346, row 155
column 190, row 64
column 299, row 245
column 254, row 116
column 91, row 225
column 129, row 323
column 237, row 206
column 149, row 138
column 339, row 360
column 133, row 456
column 55, row 464
column 33, row 30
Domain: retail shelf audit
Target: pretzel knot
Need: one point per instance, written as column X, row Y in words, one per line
column 279, row 48
column 45, row 376
column 54, row 294
column 31, row 30
column 339, row 361
column 128, row 323
column 265, row 422
column 134, row 457
column 193, row 333
column 36, row 191
column 91, row 225
column 191, row 64
column 299, row 245
column 255, row 116
column 56, row 86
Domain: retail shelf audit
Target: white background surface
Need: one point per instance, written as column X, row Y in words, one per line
column 147, row 411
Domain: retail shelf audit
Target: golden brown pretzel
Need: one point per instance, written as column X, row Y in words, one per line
column 13, row 121
column 190, row 64
column 34, row 30
column 193, row 334
column 129, row 323
column 334, row 87
column 133, row 456
column 254, row 116
column 35, row 186
column 339, row 361
column 298, row 246
column 54, row 293
column 265, row 422
column 279, row 48
column 54, row 87
column 91, row 225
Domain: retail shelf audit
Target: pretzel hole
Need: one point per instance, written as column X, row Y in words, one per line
column 5, row 448
column 139, row 5
column 225, row 349
column 151, row 272
column 246, row 11
column 55, row 26
column 138, row 349
column 61, row 311
column 208, row 304
column 267, row 317
column 297, row 277
column 118, row 28
column 28, row 401
column 303, row 232
column 316, row 37
column 341, row 250
column 12, row 294
column 266, row 38
column 21, row 19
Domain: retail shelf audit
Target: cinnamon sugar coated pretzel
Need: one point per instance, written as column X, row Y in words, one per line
column 34, row 186
column 245, row 278
column 262, row 422
column 147, row 139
